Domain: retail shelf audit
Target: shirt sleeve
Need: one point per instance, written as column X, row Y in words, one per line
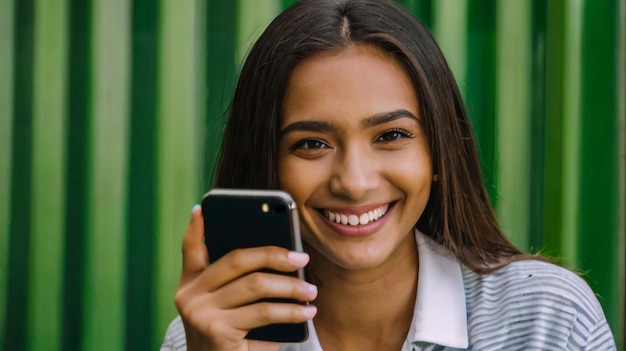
column 601, row 338
column 175, row 338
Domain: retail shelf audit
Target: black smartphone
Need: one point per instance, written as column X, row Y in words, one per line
column 242, row 218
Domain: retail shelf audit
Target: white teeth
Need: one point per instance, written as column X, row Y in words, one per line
column 344, row 219
column 364, row 219
column 354, row 219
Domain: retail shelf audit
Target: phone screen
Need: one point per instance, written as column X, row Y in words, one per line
column 236, row 219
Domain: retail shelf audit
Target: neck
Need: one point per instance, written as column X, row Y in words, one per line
column 366, row 309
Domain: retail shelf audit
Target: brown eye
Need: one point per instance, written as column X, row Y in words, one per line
column 393, row 135
column 307, row 144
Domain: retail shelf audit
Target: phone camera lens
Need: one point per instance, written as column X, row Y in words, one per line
column 265, row 207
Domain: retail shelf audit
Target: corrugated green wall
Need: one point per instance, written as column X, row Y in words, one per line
column 111, row 112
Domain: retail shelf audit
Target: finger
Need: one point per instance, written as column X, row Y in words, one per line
column 195, row 256
column 256, row 286
column 241, row 262
column 265, row 313
column 264, row 345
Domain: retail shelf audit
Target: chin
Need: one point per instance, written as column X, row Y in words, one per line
column 357, row 265
column 354, row 258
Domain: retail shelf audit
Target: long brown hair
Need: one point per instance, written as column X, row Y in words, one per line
column 458, row 214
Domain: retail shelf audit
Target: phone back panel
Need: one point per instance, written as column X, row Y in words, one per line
column 233, row 222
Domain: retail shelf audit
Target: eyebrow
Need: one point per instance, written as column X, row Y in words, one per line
column 388, row 117
column 307, row 126
column 324, row 127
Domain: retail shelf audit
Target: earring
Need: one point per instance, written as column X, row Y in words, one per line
column 435, row 177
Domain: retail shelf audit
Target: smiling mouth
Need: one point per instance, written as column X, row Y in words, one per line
column 356, row 219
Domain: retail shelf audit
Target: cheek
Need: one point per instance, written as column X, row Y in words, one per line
column 413, row 165
column 300, row 177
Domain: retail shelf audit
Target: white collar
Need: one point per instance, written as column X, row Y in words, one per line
column 439, row 316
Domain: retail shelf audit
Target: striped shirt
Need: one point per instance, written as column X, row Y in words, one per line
column 527, row 305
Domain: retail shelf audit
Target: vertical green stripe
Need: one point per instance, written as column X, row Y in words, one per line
column 599, row 161
column 21, row 171
column 572, row 66
column 201, row 97
column 79, row 96
column 621, row 98
column 6, row 109
column 545, row 63
column 220, row 75
column 450, row 28
column 480, row 85
column 142, row 177
column 178, row 120
column 252, row 18
column 548, row 107
column 46, row 275
column 513, row 126
column 104, row 304
column 542, row 76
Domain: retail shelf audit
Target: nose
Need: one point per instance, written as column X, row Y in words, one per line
column 355, row 174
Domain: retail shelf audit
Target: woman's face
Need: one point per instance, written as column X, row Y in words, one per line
column 353, row 155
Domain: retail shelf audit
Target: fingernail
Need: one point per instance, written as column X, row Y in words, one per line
column 309, row 311
column 195, row 208
column 311, row 288
column 299, row 259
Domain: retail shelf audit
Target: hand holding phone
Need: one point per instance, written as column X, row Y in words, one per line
column 222, row 302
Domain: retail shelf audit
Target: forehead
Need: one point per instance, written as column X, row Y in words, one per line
column 356, row 82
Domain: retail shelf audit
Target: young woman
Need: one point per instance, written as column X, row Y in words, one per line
column 350, row 107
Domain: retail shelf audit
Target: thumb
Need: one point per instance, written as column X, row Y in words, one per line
column 195, row 256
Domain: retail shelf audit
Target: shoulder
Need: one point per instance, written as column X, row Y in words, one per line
column 532, row 277
column 545, row 302
column 175, row 338
column 533, row 282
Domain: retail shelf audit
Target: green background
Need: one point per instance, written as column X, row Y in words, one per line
column 111, row 112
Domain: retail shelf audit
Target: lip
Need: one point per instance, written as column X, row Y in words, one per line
column 360, row 230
